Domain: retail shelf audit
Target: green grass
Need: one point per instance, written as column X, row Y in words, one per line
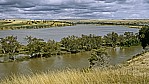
column 30, row 24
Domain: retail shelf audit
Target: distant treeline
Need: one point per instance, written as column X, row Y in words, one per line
column 139, row 23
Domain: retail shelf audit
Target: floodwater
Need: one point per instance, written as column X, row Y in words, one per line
column 79, row 60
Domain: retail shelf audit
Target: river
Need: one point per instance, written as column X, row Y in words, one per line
column 79, row 60
column 57, row 33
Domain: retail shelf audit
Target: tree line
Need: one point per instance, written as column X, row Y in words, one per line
column 36, row 47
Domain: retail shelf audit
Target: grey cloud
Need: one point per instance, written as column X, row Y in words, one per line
column 59, row 9
column 146, row 1
column 110, row 1
column 18, row 3
column 7, row 2
column 21, row 5
column 43, row 8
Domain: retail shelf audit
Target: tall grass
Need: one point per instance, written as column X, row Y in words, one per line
column 94, row 76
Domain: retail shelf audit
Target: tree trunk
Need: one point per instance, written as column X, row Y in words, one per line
column 4, row 51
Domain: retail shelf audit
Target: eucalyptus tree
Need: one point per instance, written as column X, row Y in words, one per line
column 99, row 57
column 121, row 40
column 92, row 41
column 10, row 46
column 71, row 43
column 51, row 47
column 111, row 39
column 85, row 42
column 35, row 46
column 144, row 36
column 131, row 39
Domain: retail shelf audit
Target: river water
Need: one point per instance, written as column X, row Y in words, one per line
column 79, row 60
column 56, row 33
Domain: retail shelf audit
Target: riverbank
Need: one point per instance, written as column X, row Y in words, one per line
column 131, row 23
column 13, row 24
column 135, row 72
column 140, row 63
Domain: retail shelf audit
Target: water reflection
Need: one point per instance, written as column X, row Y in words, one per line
column 120, row 55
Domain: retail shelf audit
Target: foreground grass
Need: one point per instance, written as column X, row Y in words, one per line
column 136, row 72
column 96, row 76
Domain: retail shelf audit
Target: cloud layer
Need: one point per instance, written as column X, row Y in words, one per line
column 74, row 9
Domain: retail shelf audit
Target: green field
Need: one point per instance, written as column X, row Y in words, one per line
column 13, row 24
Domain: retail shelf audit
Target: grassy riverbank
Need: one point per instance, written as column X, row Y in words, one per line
column 136, row 71
column 12, row 24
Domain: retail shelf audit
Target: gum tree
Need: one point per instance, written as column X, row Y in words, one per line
column 99, row 57
column 35, row 46
column 111, row 39
column 144, row 36
column 10, row 46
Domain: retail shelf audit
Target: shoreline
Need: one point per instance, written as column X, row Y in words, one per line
column 136, row 72
column 31, row 24
column 38, row 24
column 139, row 59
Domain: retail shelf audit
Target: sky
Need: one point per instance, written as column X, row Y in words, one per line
column 74, row 9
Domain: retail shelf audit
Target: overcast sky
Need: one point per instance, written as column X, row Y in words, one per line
column 74, row 9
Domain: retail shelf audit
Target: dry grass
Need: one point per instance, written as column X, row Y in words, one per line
column 94, row 76
column 137, row 72
column 30, row 24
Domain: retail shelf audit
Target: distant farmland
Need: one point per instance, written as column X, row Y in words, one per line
column 13, row 24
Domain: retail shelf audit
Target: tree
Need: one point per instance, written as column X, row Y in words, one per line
column 75, row 44
column 144, row 36
column 111, row 39
column 98, row 57
column 51, row 47
column 38, row 48
column 10, row 46
column 90, row 42
column 128, row 39
column 35, row 46
column 71, row 43
column 121, row 40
